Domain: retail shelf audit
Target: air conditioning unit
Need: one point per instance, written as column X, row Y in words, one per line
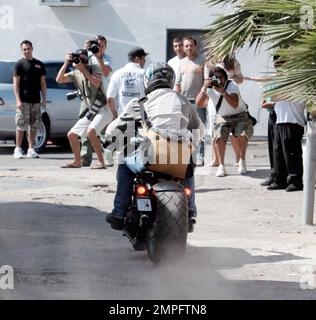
column 65, row 3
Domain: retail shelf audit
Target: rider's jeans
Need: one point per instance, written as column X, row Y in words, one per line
column 125, row 178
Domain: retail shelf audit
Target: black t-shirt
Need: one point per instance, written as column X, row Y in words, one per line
column 30, row 72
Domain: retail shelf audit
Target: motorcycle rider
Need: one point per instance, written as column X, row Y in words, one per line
column 166, row 110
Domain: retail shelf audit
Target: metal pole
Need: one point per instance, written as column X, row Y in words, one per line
column 309, row 173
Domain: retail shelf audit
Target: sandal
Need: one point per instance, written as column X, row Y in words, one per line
column 99, row 166
column 70, row 166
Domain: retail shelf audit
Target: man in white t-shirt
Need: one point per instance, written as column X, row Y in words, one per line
column 128, row 82
column 287, row 145
column 231, row 116
column 177, row 44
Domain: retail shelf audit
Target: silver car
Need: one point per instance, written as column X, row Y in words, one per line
column 60, row 114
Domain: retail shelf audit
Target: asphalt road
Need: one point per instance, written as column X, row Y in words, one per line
column 248, row 243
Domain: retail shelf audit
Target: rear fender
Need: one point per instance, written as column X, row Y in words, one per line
column 168, row 186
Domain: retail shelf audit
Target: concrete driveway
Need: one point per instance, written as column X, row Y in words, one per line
column 248, row 243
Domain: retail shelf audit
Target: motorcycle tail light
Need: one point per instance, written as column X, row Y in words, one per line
column 188, row 191
column 141, row 190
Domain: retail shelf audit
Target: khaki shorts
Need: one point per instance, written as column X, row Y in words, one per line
column 28, row 116
column 239, row 125
column 101, row 119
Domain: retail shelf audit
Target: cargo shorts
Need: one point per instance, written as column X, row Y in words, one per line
column 28, row 116
column 238, row 124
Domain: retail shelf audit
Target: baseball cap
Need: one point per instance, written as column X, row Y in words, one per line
column 137, row 52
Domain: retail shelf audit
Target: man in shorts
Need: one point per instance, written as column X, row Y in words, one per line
column 231, row 116
column 98, row 114
column 96, row 60
column 28, row 85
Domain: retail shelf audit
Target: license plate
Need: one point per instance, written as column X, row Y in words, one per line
column 144, row 205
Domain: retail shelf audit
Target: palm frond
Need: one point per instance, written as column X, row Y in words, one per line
column 278, row 23
column 231, row 32
column 223, row 2
column 297, row 77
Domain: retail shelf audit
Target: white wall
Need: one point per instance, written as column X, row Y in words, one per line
column 126, row 23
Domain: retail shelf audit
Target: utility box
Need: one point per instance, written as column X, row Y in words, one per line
column 65, row 3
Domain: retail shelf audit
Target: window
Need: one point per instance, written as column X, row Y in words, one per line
column 65, row 3
column 195, row 33
column 52, row 68
column 51, row 73
column 6, row 74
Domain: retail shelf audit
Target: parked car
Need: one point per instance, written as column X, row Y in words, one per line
column 60, row 114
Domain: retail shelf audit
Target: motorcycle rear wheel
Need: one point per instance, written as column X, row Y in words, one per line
column 139, row 245
column 167, row 238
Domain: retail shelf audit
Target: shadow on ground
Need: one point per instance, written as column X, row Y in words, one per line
column 69, row 252
column 258, row 173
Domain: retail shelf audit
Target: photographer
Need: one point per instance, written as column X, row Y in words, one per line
column 98, row 59
column 98, row 114
column 231, row 65
column 231, row 116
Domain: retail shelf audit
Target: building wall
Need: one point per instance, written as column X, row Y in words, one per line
column 126, row 23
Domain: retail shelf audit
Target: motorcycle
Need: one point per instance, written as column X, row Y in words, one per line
column 158, row 218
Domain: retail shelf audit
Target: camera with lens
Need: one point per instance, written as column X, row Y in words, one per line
column 94, row 46
column 216, row 82
column 73, row 94
column 80, row 56
column 75, row 58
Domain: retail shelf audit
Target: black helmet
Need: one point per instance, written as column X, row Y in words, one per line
column 158, row 75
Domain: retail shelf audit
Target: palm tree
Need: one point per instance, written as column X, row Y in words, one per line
column 289, row 29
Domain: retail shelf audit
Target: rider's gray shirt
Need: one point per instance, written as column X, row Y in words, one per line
column 168, row 111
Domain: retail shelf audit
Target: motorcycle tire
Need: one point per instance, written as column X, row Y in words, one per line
column 167, row 238
column 139, row 245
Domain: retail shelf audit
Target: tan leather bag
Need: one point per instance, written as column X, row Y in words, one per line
column 168, row 156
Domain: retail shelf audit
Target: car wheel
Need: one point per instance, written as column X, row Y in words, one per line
column 41, row 137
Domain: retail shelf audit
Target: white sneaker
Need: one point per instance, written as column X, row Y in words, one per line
column 221, row 171
column 18, row 153
column 242, row 166
column 32, row 154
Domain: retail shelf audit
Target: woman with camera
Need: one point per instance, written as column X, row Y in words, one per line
column 230, row 116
